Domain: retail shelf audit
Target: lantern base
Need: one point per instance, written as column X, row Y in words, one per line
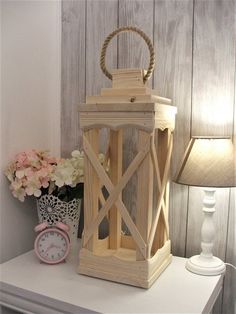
column 119, row 266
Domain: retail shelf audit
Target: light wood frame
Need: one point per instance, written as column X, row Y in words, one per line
column 139, row 258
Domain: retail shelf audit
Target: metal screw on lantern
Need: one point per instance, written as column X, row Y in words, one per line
column 122, row 30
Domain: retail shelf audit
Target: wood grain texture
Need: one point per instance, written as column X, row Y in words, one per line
column 121, row 266
column 145, row 190
column 213, row 67
column 163, row 147
column 91, row 191
column 133, row 53
column 213, row 98
column 213, row 37
column 161, row 225
column 73, row 73
column 172, row 79
column 114, row 194
column 229, row 292
column 102, row 18
column 115, row 153
column 212, row 103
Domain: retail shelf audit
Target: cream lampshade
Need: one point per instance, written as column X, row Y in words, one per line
column 209, row 162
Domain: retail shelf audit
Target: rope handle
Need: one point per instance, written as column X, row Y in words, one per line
column 127, row 29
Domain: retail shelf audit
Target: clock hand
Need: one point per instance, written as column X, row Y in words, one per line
column 56, row 246
column 49, row 248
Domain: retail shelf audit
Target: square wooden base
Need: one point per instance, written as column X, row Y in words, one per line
column 120, row 266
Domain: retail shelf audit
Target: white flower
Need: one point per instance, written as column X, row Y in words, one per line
column 69, row 171
column 77, row 154
column 33, row 187
column 20, row 194
column 10, row 171
column 20, row 174
column 63, row 173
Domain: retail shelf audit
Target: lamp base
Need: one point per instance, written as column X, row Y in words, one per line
column 205, row 266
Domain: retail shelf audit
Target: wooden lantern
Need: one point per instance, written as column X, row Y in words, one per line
column 140, row 257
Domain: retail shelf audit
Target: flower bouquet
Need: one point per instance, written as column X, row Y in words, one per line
column 56, row 183
column 37, row 173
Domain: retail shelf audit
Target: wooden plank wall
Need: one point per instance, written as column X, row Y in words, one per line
column 133, row 13
column 195, row 51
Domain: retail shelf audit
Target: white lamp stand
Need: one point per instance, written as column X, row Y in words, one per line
column 205, row 263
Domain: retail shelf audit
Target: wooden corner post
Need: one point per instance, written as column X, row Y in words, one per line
column 144, row 192
column 116, row 156
column 91, row 188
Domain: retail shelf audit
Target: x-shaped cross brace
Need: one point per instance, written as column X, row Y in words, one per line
column 114, row 194
column 116, row 190
column 161, row 188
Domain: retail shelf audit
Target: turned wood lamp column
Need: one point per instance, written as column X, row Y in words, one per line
column 140, row 257
column 209, row 162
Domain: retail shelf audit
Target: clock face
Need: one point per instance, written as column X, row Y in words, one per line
column 52, row 246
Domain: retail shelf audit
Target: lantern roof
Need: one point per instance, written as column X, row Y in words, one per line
column 129, row 102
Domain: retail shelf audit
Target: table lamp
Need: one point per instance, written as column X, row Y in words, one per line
column 208, row 162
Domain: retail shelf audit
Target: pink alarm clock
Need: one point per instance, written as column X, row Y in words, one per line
column 52, row 244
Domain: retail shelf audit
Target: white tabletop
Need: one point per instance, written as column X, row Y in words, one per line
column 32, row 287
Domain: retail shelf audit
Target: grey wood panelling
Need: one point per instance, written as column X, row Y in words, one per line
column 195, row 50
column 212, row 99
column 98, row 26
column 102, row 18
column 213, row 91
column 229, row 293
column 172, row 78
column 213, row 67
column 133, row 53
column 73, row 72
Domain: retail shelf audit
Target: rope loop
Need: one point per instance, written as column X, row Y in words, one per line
column 122, row 30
